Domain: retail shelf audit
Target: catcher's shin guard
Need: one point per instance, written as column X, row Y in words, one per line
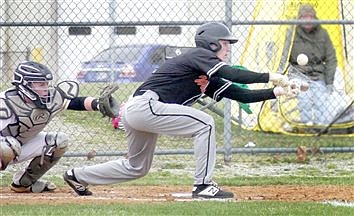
column 56, row 146
column 10, row 148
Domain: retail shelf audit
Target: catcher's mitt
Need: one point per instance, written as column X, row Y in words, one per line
column 108, row 105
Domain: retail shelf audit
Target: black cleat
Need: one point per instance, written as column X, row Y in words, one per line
column 38, row 187
column 210, row 191
column 79, row 188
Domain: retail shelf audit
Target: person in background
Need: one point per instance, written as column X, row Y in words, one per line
column 313, row 41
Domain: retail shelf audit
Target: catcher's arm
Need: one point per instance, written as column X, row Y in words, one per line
column 106, row 104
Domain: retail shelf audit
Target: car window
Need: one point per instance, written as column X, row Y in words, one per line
column 158, row 56
column 122, row 54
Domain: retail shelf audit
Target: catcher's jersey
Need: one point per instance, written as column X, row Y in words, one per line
column 22, row 120
column 174, row 80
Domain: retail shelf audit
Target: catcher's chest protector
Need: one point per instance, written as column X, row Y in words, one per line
column 29, row 120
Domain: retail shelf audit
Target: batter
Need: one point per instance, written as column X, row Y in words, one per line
column 161, row 105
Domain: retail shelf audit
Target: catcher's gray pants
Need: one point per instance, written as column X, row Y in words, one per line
column 144, row 118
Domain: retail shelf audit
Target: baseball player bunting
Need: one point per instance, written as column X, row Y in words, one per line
column 161, row 105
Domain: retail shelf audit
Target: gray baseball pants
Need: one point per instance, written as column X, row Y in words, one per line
column 144, row 118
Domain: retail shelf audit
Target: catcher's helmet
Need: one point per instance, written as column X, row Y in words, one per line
column 210, row 33
column 30, row 72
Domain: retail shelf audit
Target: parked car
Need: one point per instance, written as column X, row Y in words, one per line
column 130, row 63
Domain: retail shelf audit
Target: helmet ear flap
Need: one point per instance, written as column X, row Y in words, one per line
column 215, row 47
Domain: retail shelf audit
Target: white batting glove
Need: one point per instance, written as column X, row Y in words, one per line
column 286, row 91
column 279, row 79
column 300, row 84
column 293, row 90
column 279, row 91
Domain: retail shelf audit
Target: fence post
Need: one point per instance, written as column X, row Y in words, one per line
column 227, row 107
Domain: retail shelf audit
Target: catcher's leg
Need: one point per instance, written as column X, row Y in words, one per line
column 28, row 180
column 10, row 148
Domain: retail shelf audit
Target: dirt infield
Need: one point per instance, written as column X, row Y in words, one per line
column 129, row 194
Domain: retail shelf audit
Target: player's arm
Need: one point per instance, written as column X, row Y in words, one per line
column 106, row 103
column 246, row 95
column 219, row 88
column 69, row 90
column 202, row 60
column 207, row 62
column 83, row 104
column 242, row 75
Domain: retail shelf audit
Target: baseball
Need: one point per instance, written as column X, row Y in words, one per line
column 250, row 144
column 302, row 59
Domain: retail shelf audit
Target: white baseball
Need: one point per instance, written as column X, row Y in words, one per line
column 250, row 144
column 302, row 59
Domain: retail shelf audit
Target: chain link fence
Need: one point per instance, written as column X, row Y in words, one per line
column 98, row 42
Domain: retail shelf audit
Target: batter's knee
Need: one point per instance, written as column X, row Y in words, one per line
column 140, row 171
column 208, row 126
column 210, row 121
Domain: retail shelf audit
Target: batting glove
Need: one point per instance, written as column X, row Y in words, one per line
column 279, row 79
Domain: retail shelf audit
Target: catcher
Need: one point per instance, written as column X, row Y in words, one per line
column 26, row 109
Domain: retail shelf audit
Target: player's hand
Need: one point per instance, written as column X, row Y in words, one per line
column 279, row 79
column 202, row 82
column 289, row 91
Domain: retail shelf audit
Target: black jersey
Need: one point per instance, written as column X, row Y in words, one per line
column 174, row 80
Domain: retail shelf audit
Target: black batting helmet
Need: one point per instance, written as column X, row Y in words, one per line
column 210, row 33
column 27, row 73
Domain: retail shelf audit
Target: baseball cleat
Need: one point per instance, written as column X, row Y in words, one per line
column 37, row 187
column 210, row 191
column 20, row 189
column 79, row 188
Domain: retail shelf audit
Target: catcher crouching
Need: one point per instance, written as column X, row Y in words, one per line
column 26, row 109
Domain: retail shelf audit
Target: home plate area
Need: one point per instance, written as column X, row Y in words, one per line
column 145, row 194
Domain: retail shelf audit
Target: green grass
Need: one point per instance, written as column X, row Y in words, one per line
column 194, row 208
column 167, row 178
column 182, row 208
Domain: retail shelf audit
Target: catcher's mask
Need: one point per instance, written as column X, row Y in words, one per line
column 33, row 80
column 209, row 34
